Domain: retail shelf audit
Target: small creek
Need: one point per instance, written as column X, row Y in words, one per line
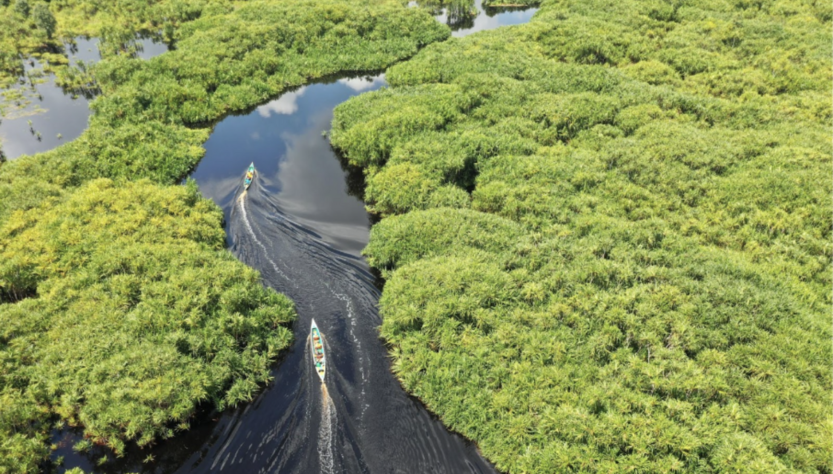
column 302, row 224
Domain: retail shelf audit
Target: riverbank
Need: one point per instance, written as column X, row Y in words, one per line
column 145, row 135
column 606, row 235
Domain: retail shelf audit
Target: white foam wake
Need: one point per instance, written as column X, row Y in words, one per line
column 325, row 432
column 257, row 241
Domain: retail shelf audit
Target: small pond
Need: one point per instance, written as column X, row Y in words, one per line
column 54, row 115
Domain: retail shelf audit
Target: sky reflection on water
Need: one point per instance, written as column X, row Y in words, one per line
column 61, row 112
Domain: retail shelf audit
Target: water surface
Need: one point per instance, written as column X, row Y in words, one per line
column 54, row 111
column 483, row 19
column 303, row 227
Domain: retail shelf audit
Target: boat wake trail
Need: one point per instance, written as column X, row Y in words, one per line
column 361, row 421
column 325, row 432
column 242, row 206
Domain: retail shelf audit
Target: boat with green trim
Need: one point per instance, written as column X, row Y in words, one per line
column 250, row 175
column 318, row 356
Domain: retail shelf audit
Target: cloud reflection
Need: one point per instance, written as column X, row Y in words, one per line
column 286, row 104
column 363, row 83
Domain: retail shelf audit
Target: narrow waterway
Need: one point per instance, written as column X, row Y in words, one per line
column 302, row 224
column 302, row 228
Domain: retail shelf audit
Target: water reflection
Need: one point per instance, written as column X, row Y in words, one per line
column 56, row 116
column 303, row 227
column 465, row 17
column 294, row 160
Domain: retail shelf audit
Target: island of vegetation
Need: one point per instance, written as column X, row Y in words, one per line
column 606, row 234
column 120, row 309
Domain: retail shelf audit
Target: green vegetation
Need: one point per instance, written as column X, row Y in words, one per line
column 139, row 315
column 607, row 235
column 120, row 311
column 44, row 19
column 21, row 7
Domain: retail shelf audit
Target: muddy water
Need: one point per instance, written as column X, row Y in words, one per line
column 56, row 116
column 302, row 224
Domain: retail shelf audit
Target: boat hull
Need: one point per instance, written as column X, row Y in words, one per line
column 250, row 176
column 319, row 358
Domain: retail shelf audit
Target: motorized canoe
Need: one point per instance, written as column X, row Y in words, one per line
column 317, row 345
column 250, row 175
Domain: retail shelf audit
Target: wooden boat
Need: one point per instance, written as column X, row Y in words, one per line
column 250, row 175
column 317, row 344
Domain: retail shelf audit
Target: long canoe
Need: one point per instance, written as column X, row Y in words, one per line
column 317, row 346
column 250, row 175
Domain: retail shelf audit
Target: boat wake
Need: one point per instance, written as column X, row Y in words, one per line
column 245, row 218
column 361, row 421
column 325, row 432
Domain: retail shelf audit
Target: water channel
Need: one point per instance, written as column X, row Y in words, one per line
column 302, row 224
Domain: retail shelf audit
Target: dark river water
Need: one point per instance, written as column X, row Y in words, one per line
column 302, row 224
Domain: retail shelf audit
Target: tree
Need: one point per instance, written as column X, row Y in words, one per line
column 43, row 18
column 21, row 7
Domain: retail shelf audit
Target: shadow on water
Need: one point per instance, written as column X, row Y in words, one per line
column 302, row 224
column 57, row 115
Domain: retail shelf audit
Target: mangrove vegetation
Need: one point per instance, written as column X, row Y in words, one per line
column 606, row 234
column 120, row 309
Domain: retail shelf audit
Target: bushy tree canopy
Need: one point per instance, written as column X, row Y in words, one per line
column 44, row 19
column 21, row 7
column 607, row 235
column 123, row 312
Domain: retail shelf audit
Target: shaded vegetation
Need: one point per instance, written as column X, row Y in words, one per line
column 120, row 311
column 607, row 235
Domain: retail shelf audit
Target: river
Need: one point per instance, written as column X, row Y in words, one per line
column 302, row 224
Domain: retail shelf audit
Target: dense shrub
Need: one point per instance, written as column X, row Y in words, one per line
column 642, row 281
column 44, row 19
column 123, row 312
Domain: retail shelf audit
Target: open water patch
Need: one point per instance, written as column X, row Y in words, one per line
column 54, row 115
column 465, row 19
